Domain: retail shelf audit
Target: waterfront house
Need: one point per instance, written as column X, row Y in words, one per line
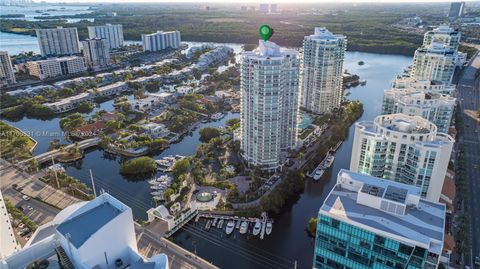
column 155, row 130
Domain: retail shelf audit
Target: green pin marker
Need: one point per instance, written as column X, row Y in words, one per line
column 265, row 32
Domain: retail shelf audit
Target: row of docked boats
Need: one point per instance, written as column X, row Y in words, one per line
column 158, row 186
column 166, row 163
column 241, row 224
column 322, row 167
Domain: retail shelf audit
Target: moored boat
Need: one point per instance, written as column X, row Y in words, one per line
column 230, row 227
column 244, row 227
column 268, row 229
column 257, row 228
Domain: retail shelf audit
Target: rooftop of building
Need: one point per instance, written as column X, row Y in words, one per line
column 421, row 223
column 269, row 50
column 418, row 94
column 322, row 33
column 58, row 59
column 81, row 227
column 161, row 32
column 405, row 124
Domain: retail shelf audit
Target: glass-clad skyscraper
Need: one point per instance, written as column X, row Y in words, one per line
column 367, row 222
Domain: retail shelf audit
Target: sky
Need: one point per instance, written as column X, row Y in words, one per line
column 239, row 2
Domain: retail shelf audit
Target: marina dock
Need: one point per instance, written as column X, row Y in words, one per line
column 216, row 221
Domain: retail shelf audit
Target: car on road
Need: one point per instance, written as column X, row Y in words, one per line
column 25, row 197
column 29, row 207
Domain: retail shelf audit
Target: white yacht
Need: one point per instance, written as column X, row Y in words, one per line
column 268, row 229
column 244, row 227
column 230, row 227
column 257, row 227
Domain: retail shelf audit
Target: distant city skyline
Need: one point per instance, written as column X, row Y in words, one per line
column 244, row 3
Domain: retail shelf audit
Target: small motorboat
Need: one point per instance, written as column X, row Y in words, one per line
column 230, row 227
column 318, row 174
column 156, row 193
column 208, row 225
column 220, row 224
column 244, row 227
column 257, row 227
column 268, row 229
column 237, row 226
column 215, row 222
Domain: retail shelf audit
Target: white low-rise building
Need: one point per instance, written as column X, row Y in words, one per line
column 214, row 56
column 96, row 234
column 112, row 89
column 151, row 101
column 69, row 82
column 156, row 130
column 30, row 90
column 70, row 103
column 56, row 67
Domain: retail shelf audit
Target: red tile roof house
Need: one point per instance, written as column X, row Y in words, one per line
column 90, row 130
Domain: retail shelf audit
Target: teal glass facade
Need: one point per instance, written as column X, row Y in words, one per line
column 339, row 245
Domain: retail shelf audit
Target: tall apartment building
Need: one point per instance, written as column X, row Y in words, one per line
column 56, row 67
column 405, row 149
column 7, row 77
column 321, row 68
column 113, row 33
column 58, row 41
column 161, row 40
column 269, row 104
column 367, row 222
column 432, row 106
column 96, row 53
column 456, row 10
column 443, row 34
column 434, row 62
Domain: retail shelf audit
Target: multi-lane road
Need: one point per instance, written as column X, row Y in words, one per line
column 468, row 95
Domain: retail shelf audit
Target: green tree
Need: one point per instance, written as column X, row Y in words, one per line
column 141, row 165
column 180, row 167
column 207, row 133
column 112, row 126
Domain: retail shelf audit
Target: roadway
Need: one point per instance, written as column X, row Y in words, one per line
column 148, row 242
column 468, row 95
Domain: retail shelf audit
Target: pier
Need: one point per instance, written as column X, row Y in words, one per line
column 213, row 220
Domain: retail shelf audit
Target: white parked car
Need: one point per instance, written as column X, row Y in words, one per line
column 29, row 207
column 25, row 197
column 21, row 225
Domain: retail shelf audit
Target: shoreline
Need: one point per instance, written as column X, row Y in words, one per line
column 366, row 49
